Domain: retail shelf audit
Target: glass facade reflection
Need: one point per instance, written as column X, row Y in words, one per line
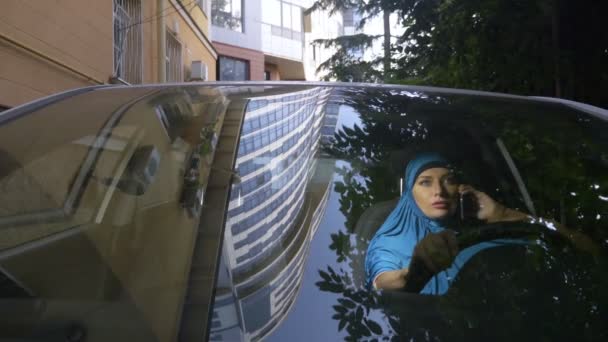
column 273, row 212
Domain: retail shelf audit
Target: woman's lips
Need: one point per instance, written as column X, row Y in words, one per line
column 440, row 205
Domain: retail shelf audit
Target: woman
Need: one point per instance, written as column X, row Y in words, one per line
column 414, row 236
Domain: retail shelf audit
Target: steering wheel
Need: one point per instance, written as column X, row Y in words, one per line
column 419, row 275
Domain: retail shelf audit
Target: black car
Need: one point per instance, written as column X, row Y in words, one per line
column 243, row 211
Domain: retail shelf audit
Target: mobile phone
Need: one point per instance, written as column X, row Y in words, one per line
column 468, row 206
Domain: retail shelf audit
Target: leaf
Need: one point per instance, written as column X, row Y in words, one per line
column 364, row 330
column 347, row 303
column 341, row 324
column 373, row 326
column 352, row 330
column 359, row 314
column 325, row 276
column 340, row 309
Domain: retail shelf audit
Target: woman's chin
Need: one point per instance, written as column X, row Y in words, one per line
column 440, row 214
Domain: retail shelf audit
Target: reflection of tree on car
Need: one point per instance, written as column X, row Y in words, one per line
column 546, row 151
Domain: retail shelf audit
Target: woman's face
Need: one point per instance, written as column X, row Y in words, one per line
column 436, row 193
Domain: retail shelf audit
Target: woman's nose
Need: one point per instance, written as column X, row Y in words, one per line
column 439, row 189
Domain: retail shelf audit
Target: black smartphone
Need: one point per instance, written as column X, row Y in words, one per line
column 468, row 206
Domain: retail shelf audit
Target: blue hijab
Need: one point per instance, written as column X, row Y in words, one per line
column 392, row 246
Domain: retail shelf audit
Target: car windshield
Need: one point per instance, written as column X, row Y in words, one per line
column 247, row 211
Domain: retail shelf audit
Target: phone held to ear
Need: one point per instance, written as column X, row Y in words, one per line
column 468, row 207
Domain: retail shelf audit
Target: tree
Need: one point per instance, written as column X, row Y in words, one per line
column 343, row 66
column 529, row 47
column 514, row 46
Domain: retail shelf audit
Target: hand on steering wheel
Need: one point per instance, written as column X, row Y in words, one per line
column 433, row 254
column 419, row 273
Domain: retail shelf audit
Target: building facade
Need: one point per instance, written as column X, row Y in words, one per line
column 270, row 39
column 48, row 47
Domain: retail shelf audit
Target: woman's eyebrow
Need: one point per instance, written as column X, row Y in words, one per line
column 427, row 177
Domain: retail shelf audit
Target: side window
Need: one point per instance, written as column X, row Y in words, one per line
column 232, row 69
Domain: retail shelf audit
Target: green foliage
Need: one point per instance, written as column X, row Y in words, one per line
column 344, row 65
column 529, row 47
column 354, row 308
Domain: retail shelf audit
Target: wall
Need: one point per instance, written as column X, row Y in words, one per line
column 79, row 34
column 194, row 46
column 74, row 33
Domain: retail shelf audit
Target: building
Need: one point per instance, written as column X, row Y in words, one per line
column 273, row 43
column 48, row 46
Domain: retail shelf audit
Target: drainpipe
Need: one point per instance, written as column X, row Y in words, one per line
column 162, row 63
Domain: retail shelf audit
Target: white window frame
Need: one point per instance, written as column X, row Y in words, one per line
column 286, row 30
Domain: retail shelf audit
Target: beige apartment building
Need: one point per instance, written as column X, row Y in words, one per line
column 52, row 46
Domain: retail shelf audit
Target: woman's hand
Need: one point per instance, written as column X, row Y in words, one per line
column 436, row 251
column 488, row 209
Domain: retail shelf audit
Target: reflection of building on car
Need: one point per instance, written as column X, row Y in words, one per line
column 273, row 213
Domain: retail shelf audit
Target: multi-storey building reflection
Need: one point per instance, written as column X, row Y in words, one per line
column 273, row 212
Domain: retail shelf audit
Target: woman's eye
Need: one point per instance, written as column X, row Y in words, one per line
column 424, row 182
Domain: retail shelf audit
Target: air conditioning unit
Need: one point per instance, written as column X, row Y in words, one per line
column 199, row 71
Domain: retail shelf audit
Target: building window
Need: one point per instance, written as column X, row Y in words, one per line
column 285, row 18
column 173, row 59
column 128, row 46
column 348, row 17
column 231, row 69
column 227, row 14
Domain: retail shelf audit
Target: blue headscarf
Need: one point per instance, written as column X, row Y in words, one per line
column 392, row 246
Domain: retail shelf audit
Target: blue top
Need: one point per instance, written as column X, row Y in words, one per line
column 392, row 246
